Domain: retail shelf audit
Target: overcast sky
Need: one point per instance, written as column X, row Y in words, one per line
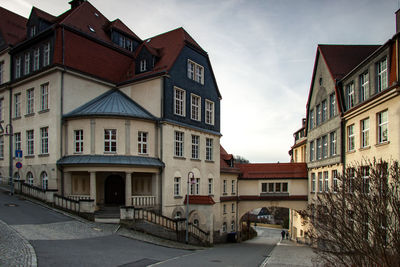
column 262, row 53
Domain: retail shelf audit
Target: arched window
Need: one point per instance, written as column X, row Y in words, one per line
column 29, row 178
column 178, row 215
column 45, row 180
column 196, row 222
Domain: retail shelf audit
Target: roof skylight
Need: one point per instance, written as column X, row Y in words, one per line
column 91, row 28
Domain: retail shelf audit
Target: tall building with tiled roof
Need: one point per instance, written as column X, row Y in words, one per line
column 100, row 113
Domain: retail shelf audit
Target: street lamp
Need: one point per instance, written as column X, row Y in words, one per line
column 187, row 206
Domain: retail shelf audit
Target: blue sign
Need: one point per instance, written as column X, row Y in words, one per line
column 18, row 153
column 18, row 165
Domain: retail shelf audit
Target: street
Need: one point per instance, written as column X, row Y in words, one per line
column 60, row 240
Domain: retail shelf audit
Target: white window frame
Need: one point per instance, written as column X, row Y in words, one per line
column 17, row 105
column 195, row 71
column 364, row 126
column 195, row 187
column 78, row 141
column 335, row 186
column 209, row 112
column 210, row 186
column 332, row 143
column 30, row 101
column 44, row 140
column 195, row 110
column 326, row 181
column 29, row 178
column 177, row 186
column 313, row 182
column 332, row 105
column 178, row 144
column 190, row 69
column 324, row 110
column 364, row 86
column 143, row 65
column 350, row 95
column 36, row 56
column 142, row 142
column 46, row 54
column 319, row 149
column 320, row 182
column 44, row 96
column 233, row 187
column 312, row 119
column 27, row 63
column 318, row 115
column 110, row 143
column 179, row 102
column 324, row 141
column 351, row 143
column 195, row 146
column 17, row 141
column 382, row 77
column 18, row 67
column 209, row 149
column 45, row 180
column 30, row 143
column 224, row 186
column 383, row 127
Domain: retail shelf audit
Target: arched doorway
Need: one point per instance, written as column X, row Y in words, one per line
column 114, row 190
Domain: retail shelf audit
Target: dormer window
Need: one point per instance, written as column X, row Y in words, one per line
column 33, row 31
column 195, row 72
column 143, row 65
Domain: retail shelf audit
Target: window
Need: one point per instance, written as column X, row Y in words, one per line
column 44, row 96
column 178, row 215
column 311, row 119
column 224, row 227
column 209, row 112
column 179, row 102
column 17, row 67
column 351, row 175
column 325, row 146
column 233, row 208
column 278, row 187
column 195, row 146
column 17, row 105
column 350, row 95
column 195, row 72
column 350, row 138
column 271, row 187
column 29, row 178
column 46, row 54
column 1, row 72
column 284, row 187
column 320, row 182
column 30, row 98
column 78, row 141
column 210, row 186
column 318, row 115
column 332, row 105
column 335, row 181
column 224, row 187
column 326, row 181
column 224, row 208
column 27, row 63
column 264, row 187
column 177, row 186
column 1, row 108
column 365, row 133
column 324, row 111
column 332, row 143
column 143, row 65
column 196, row 222
column 33, row 30
column 209, row 149
column 2, row 146
column 195, row 107
column 142, row 142
column 36, row 55
column 29, row 143
column 196, row 187
column 364, row 86
column 233, row 187
column 311, row 150
column 17, row 141
column 178, row 148
column 365, row 179
column 45, row 180
column 319, row 148
column 110, row 140
column 381, row 69
column 44, row 140
column 312, row 182
column 382, row 127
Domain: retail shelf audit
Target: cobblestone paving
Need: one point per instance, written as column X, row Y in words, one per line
column 61, row 231
column 14, row 250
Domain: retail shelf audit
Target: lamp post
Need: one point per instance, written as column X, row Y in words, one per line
column 187, row 206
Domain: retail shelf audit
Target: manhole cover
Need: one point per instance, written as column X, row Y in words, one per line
column 11, row 205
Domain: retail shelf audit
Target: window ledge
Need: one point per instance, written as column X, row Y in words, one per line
column 110, row 153
column 16, row 118
column 78, row 153
column 209, row 161
column 143, row 154
column 382, row 144
column 180, row 158
column 195, row 159
column 351, row 151
column 224, row 194
column 43, row 111
column 178, row 197
column 29, row 115
column 365, row 148
column 43, row 155
column 29, row 156
column 1, row 158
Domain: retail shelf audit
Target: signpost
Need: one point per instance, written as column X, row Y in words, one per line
column 18, row 165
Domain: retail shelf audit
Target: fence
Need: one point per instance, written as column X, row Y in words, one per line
column 143, row 201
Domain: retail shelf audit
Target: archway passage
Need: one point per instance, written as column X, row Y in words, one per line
column 114, row 190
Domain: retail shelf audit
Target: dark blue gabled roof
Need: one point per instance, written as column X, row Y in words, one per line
column 111, row 103
column 110, row 160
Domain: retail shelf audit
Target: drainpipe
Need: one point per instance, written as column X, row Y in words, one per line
column 10, row 171
column 62, row 111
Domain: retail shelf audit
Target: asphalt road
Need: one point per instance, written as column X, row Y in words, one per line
column 60, row 240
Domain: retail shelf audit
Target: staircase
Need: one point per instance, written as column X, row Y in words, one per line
column 107, row 214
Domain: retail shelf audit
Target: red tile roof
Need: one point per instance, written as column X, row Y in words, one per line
column 200, row 200
column 341, row 59
column 224, row 159
column 119, row 25
column 12, row 26
column 43, row 15
column 273, row 170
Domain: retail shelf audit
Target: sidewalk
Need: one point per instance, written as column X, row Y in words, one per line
column 289, row 253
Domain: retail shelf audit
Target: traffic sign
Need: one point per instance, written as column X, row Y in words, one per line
column 18, row 165
column 18, row 153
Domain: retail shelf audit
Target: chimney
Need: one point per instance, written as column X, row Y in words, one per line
column 397, row 21
column 76, row 3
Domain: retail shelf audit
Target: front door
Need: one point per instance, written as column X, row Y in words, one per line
column 114, row 190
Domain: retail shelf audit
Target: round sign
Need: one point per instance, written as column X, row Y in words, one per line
column 18, row 165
